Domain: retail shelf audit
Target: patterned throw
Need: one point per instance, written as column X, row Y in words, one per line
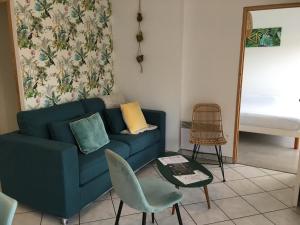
column 65, row 50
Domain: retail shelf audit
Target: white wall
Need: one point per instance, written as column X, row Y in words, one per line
column 275, row 71
column 159, row 86
column 8, row 83
column 179, row 72
column 212, row 33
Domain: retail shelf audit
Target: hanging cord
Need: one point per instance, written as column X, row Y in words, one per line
column 140, row 37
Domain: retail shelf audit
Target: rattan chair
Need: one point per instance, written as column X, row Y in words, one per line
column 207, row 130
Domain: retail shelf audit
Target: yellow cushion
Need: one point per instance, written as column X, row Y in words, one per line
column 133, row 117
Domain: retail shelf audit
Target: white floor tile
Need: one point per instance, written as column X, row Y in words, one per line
column 249, row 172
column 230, row 174
column 104, row 197
column 284, row 195
column 216, row 180
column 229, row 222
column 268, row 183
column 264, row 202
column 202, row 215
column 234, row 165
column 124, row 220
column 23, row 209
column 126, row 209
column 270, row 172
column 101, row 222
column 96, row 211
column 253, row 220
column 286, row 178
column 220, row 191
column 284, row 217
column 31, row 218
column 51, row 220
column 236, row 207
column 148, row 171
column 244, row 187
column 166, row 218
column 192, row 195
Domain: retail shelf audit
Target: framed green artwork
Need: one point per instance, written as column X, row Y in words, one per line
column 264, row 37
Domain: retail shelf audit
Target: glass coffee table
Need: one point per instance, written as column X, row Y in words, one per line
column 194, row 165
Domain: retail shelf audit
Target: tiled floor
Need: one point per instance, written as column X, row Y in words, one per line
column 251, row 196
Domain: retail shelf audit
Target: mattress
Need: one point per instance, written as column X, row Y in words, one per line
column 274, row 114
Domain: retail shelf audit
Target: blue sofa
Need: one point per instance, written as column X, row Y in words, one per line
column 47, row 172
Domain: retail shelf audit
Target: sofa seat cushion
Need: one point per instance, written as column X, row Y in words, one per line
column 138, row 142
column 95, row 164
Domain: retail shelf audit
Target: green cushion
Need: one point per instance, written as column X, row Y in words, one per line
column 115, row 120
column 60, row 130
column 35, row 122
column 89, row 133
column 138, row 142
column 95, row 164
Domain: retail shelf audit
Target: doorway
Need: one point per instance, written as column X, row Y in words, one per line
column 259, row 74
column 9, row 95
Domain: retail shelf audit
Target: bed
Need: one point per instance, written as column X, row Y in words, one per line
column 273, row 116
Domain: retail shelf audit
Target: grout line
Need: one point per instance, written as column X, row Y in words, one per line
column 112, row 202
column 282, row 181
column 221, row 210
column 189, row 214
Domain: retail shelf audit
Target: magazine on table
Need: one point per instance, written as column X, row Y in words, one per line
column 172, row 160
column 192, row 178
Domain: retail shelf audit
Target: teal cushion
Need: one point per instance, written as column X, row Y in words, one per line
column 89, row 133
column 115, row 120
column 35, row 122
column 60, row 130
column 138, row 142
column 95, row 164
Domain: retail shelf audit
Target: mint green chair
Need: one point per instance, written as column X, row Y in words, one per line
column 148, row 195
column 8, row 208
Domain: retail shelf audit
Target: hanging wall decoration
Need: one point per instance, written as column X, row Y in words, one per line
column 65, row 50
column 264, row 37
column 140, row 38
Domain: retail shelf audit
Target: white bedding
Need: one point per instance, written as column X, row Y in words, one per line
column 270, row 113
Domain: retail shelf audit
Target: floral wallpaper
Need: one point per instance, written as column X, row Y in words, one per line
column 65, row 50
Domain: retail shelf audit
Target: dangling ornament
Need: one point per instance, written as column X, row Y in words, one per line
column 140, row 38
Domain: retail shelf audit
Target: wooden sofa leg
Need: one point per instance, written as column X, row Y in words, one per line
column 296, row 143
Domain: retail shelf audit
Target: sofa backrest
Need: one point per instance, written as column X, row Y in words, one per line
column 35, row 122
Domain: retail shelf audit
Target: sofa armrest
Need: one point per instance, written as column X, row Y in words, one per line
column 41, row 173
column 157, row 118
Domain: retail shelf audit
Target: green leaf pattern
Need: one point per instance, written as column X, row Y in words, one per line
column 65, row 49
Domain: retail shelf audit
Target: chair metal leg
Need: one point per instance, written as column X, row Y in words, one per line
column 194, row 151
column 173, row 208
column 221, row 161
column 197, row 151
column 64, row 221
column 144, row 218
column 218, row 155
column 178, row 214
column 152, row 214
column 119, row 213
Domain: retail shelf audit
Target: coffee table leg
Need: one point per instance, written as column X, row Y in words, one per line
column 173, row 208
column 207, row 196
